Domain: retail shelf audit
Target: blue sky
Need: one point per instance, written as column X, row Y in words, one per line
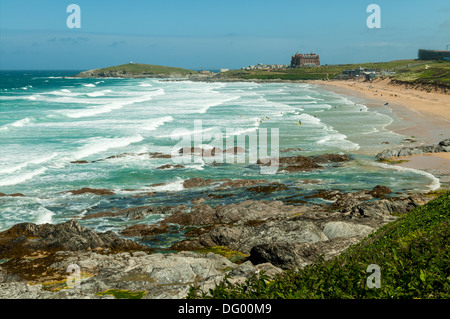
column 212, row 34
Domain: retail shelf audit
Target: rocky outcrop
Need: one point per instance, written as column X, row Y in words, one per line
column 273, row 227
column 12, row 195
column 304, row 163
column 87, row 190
column 223, row 183
column 443, row 146
column 136, row 213
column 297, row 163
column 28, row 238
column 196, row 182
column 331, row 158
column 169, row 166
column 239, row 213
column 152, row 276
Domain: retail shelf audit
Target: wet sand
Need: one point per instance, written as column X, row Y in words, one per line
column 421, row 115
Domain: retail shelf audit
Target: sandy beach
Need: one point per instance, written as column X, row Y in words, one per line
column 423, row 115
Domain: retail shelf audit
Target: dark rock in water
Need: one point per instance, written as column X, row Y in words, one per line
column 443, row 146
column 335, row 158
column 12, row 195
column 156, row 155
column 196, row 182
column 101, row 215
column 79, row 162
column 292, row 149
column 298, row 161
column 215, row 151
column 26, row 238
column 158, row 184
column 86, row 190
column 234, row 150
column 140, row 212
column 266, row 189
column 380, row 191
column 236, row 183
column 326, row 194
column 222, row 183
column 191, row 150
column 293, row 164
column 148, row 154
column 169, row 166
column 239, row 213
column 144, row 230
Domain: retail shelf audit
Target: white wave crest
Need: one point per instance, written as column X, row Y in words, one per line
column 435, row 183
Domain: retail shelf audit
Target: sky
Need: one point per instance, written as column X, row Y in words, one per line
column 214, row 34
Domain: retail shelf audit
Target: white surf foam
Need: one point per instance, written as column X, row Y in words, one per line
column 336, row 139
column 185, row 132
column 170, row 187
column 12, row 169
column 17, row 179
column 100, row 145
column 435, row 183
column 89, row 85
column 114, row 104
column 18, row 123
column 153, row 124
column 44, row 216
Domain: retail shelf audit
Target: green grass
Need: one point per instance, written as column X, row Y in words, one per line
column 138, row 68
column 433, row 72
column 315, row 73
column 413, row 253
column 123, row 294
column 232, row 255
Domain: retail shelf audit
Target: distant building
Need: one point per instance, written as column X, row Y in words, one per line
column 367, row 74
column 224, row 70
column 433, row 55
column 261, row 66
column 302, row 60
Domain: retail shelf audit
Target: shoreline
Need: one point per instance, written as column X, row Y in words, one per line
column 218, row 241
column 423, row 116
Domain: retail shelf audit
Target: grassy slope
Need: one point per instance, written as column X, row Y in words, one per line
column 434, row 72
column 406, row 70
column 413, row 254
column 315, row 73
column 138, row 68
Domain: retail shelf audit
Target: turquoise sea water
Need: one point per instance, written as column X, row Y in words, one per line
column 49, row 120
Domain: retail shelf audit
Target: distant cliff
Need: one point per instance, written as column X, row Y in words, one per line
column 137, row 70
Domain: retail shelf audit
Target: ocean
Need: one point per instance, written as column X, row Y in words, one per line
column 59, row 133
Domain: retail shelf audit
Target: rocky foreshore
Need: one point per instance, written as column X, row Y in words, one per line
column 235, row 240
column 443, row 146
